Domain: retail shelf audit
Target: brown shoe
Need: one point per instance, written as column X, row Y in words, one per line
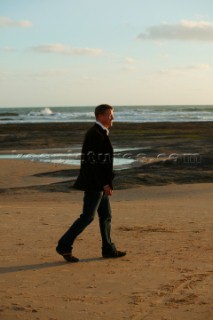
column 67, row 256
column 114, row 254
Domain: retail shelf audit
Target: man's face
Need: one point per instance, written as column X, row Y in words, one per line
column 107, row 118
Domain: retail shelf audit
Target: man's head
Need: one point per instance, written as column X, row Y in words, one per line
column 104, row 114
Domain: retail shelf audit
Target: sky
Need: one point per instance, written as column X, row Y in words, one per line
column 121, row 52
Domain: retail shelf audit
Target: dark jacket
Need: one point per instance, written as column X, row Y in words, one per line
column 96, row 161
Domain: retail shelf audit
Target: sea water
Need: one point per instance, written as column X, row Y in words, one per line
column 135, row 114
column 67, row 157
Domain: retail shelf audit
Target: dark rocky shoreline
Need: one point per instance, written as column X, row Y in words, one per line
column 166, row 152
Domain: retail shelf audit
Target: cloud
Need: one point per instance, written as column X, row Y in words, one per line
column 129, row 69
column 88, row 78
column 185, row 70
column 67, row 50
column 50, row 73
column 7, row 22
column 7, row 49
column 129, row 64
column 199, row 67
column 3, row 75
column 129, row 60
column 185, row 30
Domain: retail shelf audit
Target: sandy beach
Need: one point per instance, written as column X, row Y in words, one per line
column 162, row 217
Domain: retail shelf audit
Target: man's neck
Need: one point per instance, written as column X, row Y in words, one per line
column 102, row 126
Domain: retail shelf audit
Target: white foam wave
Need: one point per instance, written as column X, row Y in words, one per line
column 44, row 112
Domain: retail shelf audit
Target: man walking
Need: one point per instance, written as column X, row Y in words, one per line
column 95, row 179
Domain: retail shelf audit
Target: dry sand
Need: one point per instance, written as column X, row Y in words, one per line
column 167, row 273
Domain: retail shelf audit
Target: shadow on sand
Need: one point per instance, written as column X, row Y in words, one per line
column 44, row 265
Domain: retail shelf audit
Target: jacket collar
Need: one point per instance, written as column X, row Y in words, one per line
column 104, row 128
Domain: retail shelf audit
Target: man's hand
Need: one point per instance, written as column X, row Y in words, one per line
column 107, row 190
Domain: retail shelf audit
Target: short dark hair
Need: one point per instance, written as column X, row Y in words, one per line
column 102, row 108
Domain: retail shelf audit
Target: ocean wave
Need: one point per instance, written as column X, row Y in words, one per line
column 121, row 114
column 44, row 112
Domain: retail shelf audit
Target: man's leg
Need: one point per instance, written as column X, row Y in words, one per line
column 91, row 202
column 108, row 248
column 105, row 217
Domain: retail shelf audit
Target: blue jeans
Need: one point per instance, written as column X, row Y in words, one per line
column 92, row 202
